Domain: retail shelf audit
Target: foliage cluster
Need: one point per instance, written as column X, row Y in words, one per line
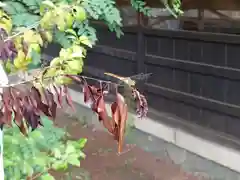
column 45, row 148
column 27, row 26
column 24, row 49
column 101, row 10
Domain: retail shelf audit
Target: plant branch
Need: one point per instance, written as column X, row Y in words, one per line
column 21, row 32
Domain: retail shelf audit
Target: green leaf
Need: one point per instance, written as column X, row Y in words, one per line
column 74, row 65
column 8, row 163
column 79, row 13
column 46, row 122
column 46, row 5
column 60, row 37
column 40, row 161
column 36, row 135
column 57, row 153
column 73, row 160
column 2, row 4
column 36, row 58
column 56, row 61
column 71, row 31
column 59, row 165
column 14, row 8
column 82, row 155
column 27, row 168
column 47, row 177
column 82, row 142
column 84, row 40
column 19, row 19
column 8, row 138
column 70, row 149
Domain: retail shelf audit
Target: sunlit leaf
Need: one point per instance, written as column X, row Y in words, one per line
column 80, row 13
column 84, row 40
column 73, row 160
column 46, row 6
column 47, row 177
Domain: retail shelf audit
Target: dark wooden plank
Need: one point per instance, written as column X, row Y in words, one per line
column 193, row 35
column 198, row 101
column 120, row 53
column 195, row 67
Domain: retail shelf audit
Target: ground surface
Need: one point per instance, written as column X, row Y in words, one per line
column 102, row 162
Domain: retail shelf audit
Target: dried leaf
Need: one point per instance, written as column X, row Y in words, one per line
column 1, row 118
column 29, row 114
column 68, row 97
column 100, row 109
column 36, row 95
column 52, row 105
column 6, row 97
column 45, row 109
column 90, row 95
column 115, row 113
column 122, row 128
column 48, row 97
column 17, row 109
column 7, row 115
column 142, row 105
column 59, row 95
column 119, row 116
column 23, row 129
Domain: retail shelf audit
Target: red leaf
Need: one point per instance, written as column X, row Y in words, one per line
column 7, row 115
column 68, row 97
column 100, row 109
column 17, row 109
column 52, row 105
column 119, row 116
column 36, row 94
column 6, row 97
column 142, row 105
column 45, row 109
column 87, row 93
column 59, row 94
column 29, row 114
column 122, row 128
column 23, row 129
column 115, row 113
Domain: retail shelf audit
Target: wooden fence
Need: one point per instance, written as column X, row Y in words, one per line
column 196, row 76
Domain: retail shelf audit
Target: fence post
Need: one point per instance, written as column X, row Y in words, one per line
column 3, row 81
column 140, row 44
column 140, row 47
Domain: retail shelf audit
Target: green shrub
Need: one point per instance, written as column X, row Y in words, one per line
column 46, row 148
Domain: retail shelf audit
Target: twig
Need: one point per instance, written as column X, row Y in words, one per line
column 21, row 32
column 37, row 175
column 45, row 78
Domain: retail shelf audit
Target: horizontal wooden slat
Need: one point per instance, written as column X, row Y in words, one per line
column 197, row 101
column 192, row 35
column 196, row 67
column 120, row 53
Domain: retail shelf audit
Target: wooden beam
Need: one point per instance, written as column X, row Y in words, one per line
column 221, row 15
column 200, row 19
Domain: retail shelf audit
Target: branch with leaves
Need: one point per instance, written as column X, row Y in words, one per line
column 20, row 48
column 30, row 104
column 19, row 52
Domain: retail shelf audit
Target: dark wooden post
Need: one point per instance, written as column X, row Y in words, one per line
column 140, row 47
column 140, row 44
column 200, row 19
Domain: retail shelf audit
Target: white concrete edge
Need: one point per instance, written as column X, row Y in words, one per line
column 218, row 153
